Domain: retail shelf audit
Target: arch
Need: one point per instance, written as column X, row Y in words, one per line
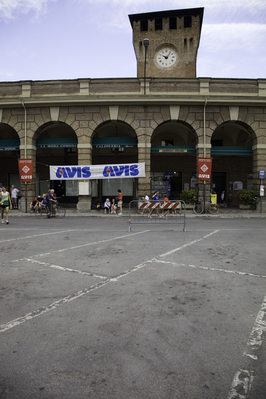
column 233, row 134
column 173, row 158
column 8, row 136
column 178, row 132
column 232, row 153
column 9, row 154
column 113, row 138
column 56, row 144
column 114, row 142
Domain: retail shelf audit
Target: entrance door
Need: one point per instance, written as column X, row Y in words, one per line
column 219, row 184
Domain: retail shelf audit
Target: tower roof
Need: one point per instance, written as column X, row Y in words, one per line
column 168, row 13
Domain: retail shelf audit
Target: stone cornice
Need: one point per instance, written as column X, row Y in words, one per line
column 134, row 100
column 123, row 91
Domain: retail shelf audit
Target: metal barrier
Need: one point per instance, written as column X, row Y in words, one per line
column 157, row 212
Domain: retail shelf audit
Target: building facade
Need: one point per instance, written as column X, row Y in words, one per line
column 162, row 119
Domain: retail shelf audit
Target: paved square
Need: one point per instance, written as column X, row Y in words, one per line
column 91, row 310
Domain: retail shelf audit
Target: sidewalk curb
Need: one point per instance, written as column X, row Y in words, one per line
column 189, row 214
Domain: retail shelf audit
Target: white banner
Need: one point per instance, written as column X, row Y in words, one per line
column 81, row 172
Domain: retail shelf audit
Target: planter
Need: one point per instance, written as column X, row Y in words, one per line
column 242, row 206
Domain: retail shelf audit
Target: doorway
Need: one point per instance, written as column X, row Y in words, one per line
column 219, row 184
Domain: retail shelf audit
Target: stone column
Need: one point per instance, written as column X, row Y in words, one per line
column 202, row 185
column 84, row 158
column 144, row 155
column 30, row 190
column 259, row 162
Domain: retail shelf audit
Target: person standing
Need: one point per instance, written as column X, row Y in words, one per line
column 14, row 197
column 223, row 198
column 120, row 202
column 5, row 204
column 50, row 201
column 54, row 201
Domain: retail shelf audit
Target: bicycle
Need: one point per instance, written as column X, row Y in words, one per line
column 209, row 207
column 57, row 212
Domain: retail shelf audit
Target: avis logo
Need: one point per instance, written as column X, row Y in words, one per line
column 67, row 172
column 120, row 170
column 204, row 168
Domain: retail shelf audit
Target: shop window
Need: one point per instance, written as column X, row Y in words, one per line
column 72, row 188
column 158, row 24
column 110, row 187
column 167, row 183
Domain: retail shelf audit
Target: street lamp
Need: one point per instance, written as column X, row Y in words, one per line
column 146, row 43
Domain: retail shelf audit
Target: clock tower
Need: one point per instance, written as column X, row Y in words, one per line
column 172, row 45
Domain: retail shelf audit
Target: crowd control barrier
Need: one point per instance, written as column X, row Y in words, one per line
column 157, row 212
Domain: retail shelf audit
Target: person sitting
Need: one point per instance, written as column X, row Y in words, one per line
column 43, row 203
column 34, row 204
column 107, row 206
column 113, row 206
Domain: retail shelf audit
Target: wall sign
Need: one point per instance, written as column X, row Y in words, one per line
column 204, row 169
column 81, row 172
column 25, row 167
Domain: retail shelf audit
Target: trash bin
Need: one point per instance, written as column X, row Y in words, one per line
column 214, row 198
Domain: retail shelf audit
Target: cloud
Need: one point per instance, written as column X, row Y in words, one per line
column 11, row 9
column 225, row 37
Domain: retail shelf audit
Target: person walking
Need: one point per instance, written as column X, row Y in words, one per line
column 146, row 199
column 155, row 198
column 14, row 197
column 166, row 210
column 120, row 202
column 5, row 204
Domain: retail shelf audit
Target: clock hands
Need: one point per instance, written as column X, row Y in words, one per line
column 166, row 56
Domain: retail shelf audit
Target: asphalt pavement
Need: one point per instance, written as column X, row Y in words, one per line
column 92, row 310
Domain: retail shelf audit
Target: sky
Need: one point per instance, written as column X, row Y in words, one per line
column 72, row 39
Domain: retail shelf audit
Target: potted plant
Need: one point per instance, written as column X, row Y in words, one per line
column 246, row 199
column 189, row 197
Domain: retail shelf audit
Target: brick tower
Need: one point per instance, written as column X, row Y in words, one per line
column 173, row 38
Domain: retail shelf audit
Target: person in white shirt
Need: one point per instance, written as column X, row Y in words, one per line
column 14, row 197
column 107, row 206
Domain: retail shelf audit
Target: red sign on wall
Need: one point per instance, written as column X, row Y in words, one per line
column 25, row 167
column 204, row 169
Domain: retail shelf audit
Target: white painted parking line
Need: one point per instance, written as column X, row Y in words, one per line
column 243, row 379
column 54, row 305
column 82, row 245
column 35, row 235
column 212, row 269
column 66, row 269
column 188, row 244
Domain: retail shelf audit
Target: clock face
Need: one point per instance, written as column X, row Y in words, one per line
column 166, row 57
